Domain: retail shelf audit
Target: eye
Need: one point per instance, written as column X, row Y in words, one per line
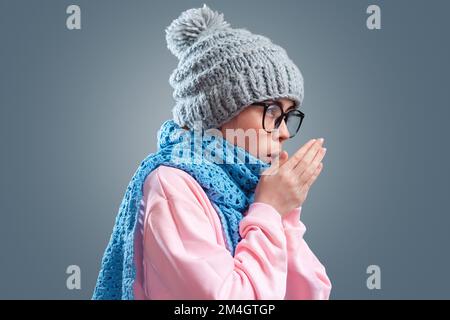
column 273, row 111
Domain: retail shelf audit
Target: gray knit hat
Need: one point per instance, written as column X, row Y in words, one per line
column 221, row 69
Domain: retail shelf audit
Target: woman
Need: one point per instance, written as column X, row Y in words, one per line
column 215, row 212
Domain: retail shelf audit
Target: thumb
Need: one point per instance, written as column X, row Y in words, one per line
column 283, row 157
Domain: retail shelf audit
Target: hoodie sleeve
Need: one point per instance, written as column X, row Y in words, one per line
column 307, row 278
column 181, row 243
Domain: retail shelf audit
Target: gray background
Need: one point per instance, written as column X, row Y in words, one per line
column 80, row 110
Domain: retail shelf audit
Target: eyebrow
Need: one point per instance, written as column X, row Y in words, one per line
column 281, row 105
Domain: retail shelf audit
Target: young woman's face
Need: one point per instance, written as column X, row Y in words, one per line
column 265, row 144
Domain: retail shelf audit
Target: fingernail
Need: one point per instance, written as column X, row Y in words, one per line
column 324, row 150
column 321, row 140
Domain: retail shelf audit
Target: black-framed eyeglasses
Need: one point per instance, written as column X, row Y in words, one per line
column 274, row 115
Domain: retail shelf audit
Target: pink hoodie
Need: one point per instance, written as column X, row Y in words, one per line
column 180, row 250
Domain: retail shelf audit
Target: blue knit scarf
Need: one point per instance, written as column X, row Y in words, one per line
column 227, row 173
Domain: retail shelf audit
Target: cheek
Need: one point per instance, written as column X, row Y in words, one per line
column 266, row 146
column 263, row 145
column 260, row 146
column 249, row 120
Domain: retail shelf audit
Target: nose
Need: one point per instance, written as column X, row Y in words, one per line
column 283, row 131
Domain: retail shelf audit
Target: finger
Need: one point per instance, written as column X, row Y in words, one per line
column 298, row 155
column 315, row 175
column 309, row 170
column 284, row 156
column 308, row 157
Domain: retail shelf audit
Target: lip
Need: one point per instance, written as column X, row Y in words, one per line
column 276, row 154
column 273, row 156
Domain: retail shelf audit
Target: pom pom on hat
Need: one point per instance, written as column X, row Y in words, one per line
column 190, row 26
